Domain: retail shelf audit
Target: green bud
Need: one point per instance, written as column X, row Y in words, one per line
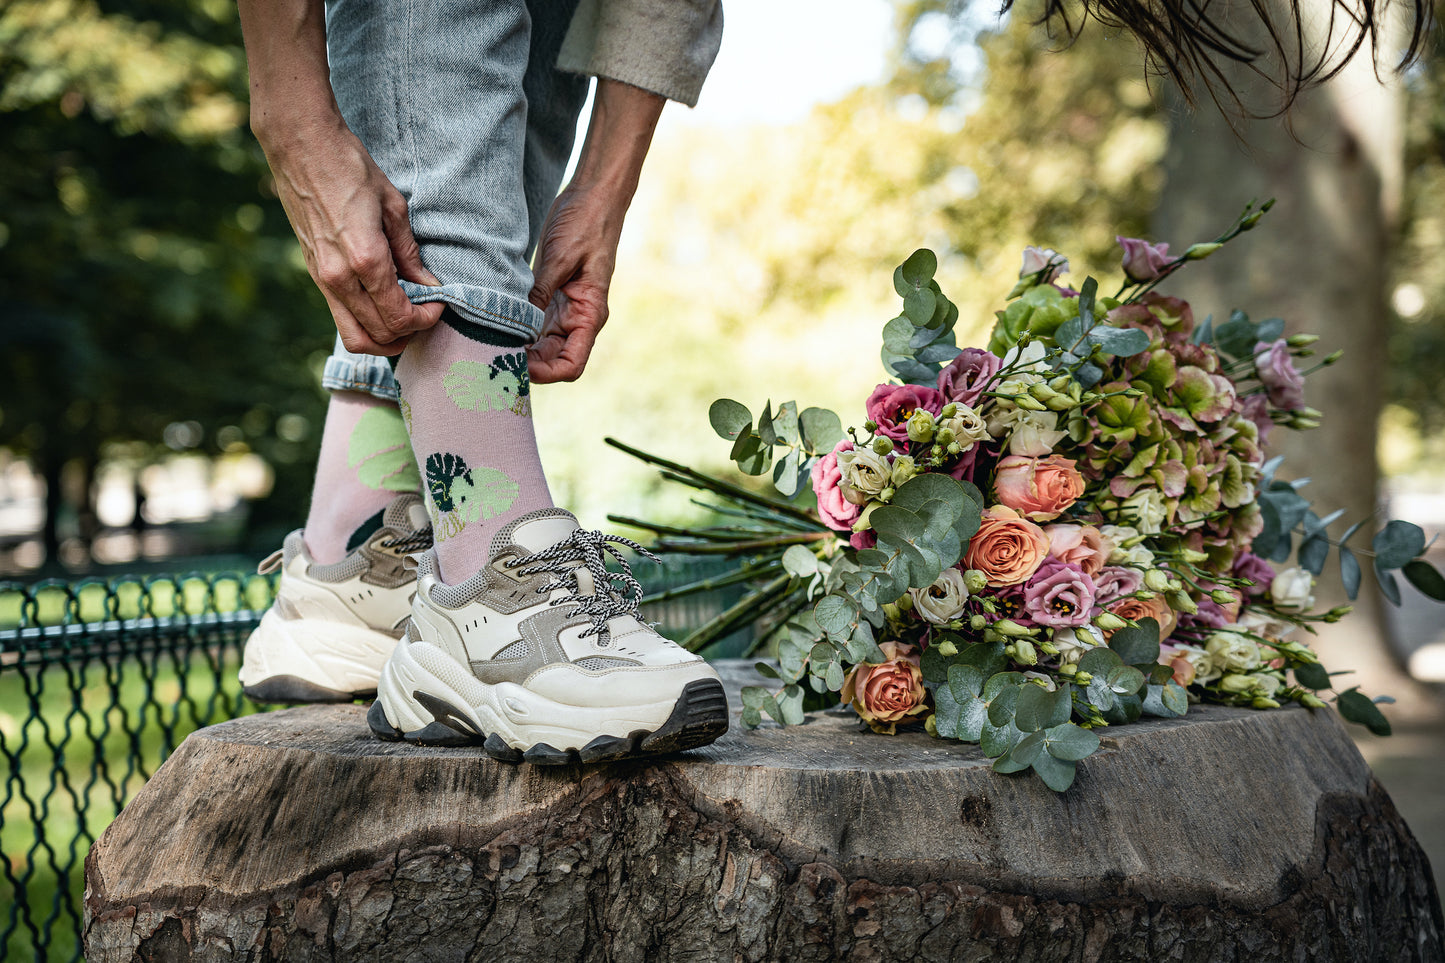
column 882, row 445
column 1181, row 602
column 977, row 623
column 1082, row 678
column 1068, row 669
column 1047, row 647
column 1060, row 403
column 1264, row 702
column 1237, row 684
column 945, row 436
column 930, row 725
column 1301, row 340
column 903, row 469
column 1332, row 357
column 862, row 524
column 949, row 410
column 886, row 495
column 1063, row 383
column 1198, row 252
column 1109, row 622
column 1311, row 701
column 955, row 449
column 946, row 648
column 905, row 602
column 1041, row 391
column 1029, row 404
column 975, row 581
column 1157, row 580
column 1011, row 628
column 870, row 426
column 891, row 611
column 1249, row 222
column 1025, row 653
column 921, row 425
column 1145, row 595
column 1223, row 596
column 1193, row 557
column 936, row 451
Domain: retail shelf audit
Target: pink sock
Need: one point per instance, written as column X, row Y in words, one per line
column 365, row 462
column 468, row 410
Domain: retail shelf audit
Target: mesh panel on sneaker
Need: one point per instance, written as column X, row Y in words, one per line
column 450, row 596
column 596, row 663
column 517, row 650
column 348, row 568
column 398, row 514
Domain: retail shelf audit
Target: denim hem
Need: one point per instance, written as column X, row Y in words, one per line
column 349, row 372
column 483, row 306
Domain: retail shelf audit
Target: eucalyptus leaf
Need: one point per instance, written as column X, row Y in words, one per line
column 1022, row 755
column 1350, row 573
column 834, row 676
column 1000, row 682
column 1313, row 552
column 1035, row 708
column 1154, row 704
column 729, row 418
column 790, row 704
column 1426, row 578
column 766, row 670
column 1119, row 342
column 1004, row 703
column 919, row 269
column 785, row 423
column 1099, row 661
column 1312, row 675
column 766, row 432
column 1127, row 709
column 1397, row 543
column 1089, row 375
column 821, row 430
column 1270, row 329
column 1125, row 680
column 1070, row 742
column 1137, row 645
column 918, row 305
column 1056, row 773
column 997, row 740
column 1357, row 707
column 800, row 562
column 787, row 476
column 835, row 615
column 965, row 681
column 1388, row 585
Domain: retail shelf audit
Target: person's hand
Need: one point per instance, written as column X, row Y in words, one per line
column 353, row 228
column 575, row 259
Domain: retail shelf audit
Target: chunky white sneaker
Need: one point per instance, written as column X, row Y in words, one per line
column 332, row 627
column 541, row 657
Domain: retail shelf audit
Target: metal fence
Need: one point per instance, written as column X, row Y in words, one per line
column 100, row 680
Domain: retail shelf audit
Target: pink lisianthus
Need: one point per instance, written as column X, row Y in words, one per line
column 863, row 540
column 965, row 378
column 889, row 407
column 1059, row 594
column 1037, row 258
column 1143, row 261
column 1248, row 565
column 836, row 511
column 1040, row 488
column 1081, row 545
column 1113, row 582
column 1276, row 370
column 887, row 693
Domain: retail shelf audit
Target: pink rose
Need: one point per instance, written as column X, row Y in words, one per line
column 1059, row 594
column 965, row 378
column 886, row 693
column 1276, row 370
column 1040, row 488
column 836, row 511
column 1007, row 548
column 889, row 407
column 1113, row 582
column 1082, row 545
column 1143, row 261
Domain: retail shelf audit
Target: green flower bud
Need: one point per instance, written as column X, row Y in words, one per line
column 1047, row 647
column 975, row 581
column 1198, row 252
column 936, row 451
column 1301, row 340
column 1082, row 678
column 1311, row 701
column 882, row 445
column 1029, row 404
column 945, row 436
column 949, row 410
column 921, row 425
column 1181, row 602
column 1223, row 596
column 1264, row 702
column 1025, row 653
column 886, row 495
column 1109, row 622
column 977, row 623
column 1011, row 628
column 1193, row 557
column 870, row 426
column 1068, row 668
column 954, row 449
column 930, row 725
column 903, row 469
column 1157, row 580
column 1236, row 683
column 1332, row 357
column 1249, row 222
column 905, row 602
column 891, row 611
column 946, row 648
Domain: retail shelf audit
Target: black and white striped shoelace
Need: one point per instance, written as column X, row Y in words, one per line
column 614, row 593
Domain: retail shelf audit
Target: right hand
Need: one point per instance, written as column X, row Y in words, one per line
column 353, row 228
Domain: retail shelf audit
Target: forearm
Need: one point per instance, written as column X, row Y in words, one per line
column 618, row 138
column 289, row 79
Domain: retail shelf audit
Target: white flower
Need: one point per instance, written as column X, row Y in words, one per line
column 1291, row 589
column 865, row 474
column 1232, row 652
column 1262, row 623
column 1073, row 643
column 968, row 427
column 1267, row 684
column 1028, row 358
column 1048, row 682
column 1205, row 669
column 1038, row 258
column 1137, row 556
column 1147, row 508
column 1032, row 433
column 942, row 601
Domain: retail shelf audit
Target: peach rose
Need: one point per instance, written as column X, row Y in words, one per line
column 886, row 693
column 1083, row 545
column 1007, row 548
column 1040, row 488
column 1155, row 608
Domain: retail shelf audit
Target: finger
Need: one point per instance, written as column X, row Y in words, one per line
column 389, row 313
column 353, row 336
column 404, row 249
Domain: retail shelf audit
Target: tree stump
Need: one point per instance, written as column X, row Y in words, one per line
column 1227, row 835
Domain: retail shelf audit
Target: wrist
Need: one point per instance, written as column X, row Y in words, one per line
column 283, row 125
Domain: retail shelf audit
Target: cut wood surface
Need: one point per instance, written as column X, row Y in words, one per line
column 1229, row 834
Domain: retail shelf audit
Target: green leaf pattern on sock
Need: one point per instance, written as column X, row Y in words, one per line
column 502, row 385
column 380, row 452
column 461, row 495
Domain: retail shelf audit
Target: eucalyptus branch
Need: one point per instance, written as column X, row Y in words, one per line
column 736, row 548
column 740, row 614
column 746, row 573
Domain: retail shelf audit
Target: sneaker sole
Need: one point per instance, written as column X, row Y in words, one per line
column 312, row 660
column 291, row 690
column 699, row 717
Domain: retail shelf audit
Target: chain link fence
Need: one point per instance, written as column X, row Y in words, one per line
column 100, row 680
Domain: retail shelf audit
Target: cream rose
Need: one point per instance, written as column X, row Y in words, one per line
column 1148, row 510
column 1136, row 556
column 942, row 601
column 1033, row 433
column 1072, row 643
column 865, row 474
column 1232, row 652
column 1292, row 589
column 968, row 427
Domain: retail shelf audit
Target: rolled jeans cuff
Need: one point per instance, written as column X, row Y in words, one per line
column 349, row 371
column 482, row 306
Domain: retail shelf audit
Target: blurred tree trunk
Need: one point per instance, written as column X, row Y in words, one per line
column 1320, row 261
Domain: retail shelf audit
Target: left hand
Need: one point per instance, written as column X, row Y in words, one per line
column 575, row 259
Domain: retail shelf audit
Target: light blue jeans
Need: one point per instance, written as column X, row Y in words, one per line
column 461, row 105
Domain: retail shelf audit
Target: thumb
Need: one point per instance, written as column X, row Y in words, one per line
column 405, row 251
column 546, row 279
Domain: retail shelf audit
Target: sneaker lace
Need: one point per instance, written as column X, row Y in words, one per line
column 614, row 593
column 416, row 541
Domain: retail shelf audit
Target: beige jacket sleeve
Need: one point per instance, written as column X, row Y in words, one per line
column 664, row 46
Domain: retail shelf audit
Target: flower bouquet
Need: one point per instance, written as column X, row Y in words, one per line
column 1069, row 529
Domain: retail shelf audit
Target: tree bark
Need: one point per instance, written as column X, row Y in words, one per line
column 1319, row 260
column 1226, row 835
